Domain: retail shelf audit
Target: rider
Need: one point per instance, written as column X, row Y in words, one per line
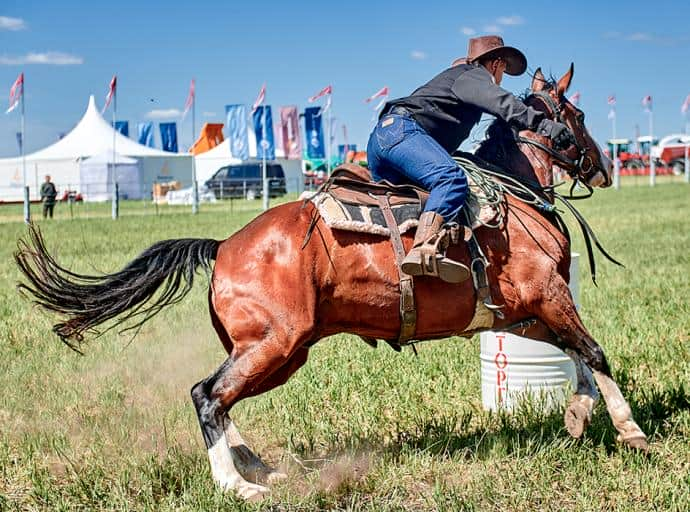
column 416, row 134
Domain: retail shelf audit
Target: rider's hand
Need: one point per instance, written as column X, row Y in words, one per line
column 559, row 133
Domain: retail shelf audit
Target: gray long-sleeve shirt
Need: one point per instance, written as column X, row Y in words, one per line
column 452, row 103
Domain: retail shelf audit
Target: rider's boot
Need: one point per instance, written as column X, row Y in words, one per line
column 427, row 256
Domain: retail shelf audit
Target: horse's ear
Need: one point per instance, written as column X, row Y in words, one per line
column 538, row 80
column 565, row 80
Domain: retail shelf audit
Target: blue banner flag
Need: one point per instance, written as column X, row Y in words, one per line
column 122, row 127
column 169, row 137
column 145, row 134
column 263, row 129
column 20, row 141
column 314, row 133
column 237, row 131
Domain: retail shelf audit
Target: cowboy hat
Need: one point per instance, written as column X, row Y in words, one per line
column 493, row 47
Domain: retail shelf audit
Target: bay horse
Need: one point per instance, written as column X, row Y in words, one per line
column 271, row 298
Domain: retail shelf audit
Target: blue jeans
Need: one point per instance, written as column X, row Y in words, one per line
column 400, row 151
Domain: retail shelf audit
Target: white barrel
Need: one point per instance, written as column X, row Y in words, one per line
column 514, row 368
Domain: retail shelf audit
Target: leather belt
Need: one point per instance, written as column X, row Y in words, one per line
column 401, row 111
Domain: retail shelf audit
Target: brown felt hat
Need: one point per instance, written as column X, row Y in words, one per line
column 493, row 47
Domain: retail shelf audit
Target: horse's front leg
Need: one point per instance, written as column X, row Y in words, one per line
column 552, row 304
column 578, row 414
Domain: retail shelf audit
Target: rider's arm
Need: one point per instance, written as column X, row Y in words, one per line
column 475, row 87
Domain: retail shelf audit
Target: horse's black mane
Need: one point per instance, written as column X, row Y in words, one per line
column 500, row 137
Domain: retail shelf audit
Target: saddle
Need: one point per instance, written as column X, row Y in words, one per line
column 350, row 201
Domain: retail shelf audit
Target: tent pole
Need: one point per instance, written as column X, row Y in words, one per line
column 195, row 186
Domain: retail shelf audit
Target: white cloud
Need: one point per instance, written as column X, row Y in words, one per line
column 164, row 113
column 468, row 31
column 639, row 36
column 51, row 58
column 418, row 55
column 612, row 34
column 510, row 20
column 7, row 23
column 210, row 114
column 493, row 29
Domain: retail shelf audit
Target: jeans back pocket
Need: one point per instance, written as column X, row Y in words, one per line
column 389, row 131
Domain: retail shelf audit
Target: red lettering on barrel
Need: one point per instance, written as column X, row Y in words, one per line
column 501, row 362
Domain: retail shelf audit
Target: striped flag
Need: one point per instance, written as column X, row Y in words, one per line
column 647, row 103
column 575, row 98
column 686, row 105
column 323, row 92
column 611, row 100
column 16, row 92
column 190, row 99
column 259, row 99
column 111, row 93
column 381, row 93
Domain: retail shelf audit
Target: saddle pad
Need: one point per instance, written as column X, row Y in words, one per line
column 347, row 216
column 364, row 219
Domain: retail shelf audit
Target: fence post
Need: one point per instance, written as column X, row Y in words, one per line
column 27, row 205
column 116, row 201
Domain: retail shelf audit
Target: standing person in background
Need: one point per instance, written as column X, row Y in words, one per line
column 48, row 195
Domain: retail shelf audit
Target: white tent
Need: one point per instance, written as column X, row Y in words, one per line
column 92, row 135
column 209, row 162
column 96, row 177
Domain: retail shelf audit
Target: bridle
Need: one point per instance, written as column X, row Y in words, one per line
column 574, row 167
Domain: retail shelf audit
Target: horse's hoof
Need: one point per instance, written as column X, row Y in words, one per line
column 576, row 419
column 636, row 441
column 275, row 477
column 252, row 492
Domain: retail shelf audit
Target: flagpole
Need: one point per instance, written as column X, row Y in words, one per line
column 263, row 149
column 27, row 202
column 652, row 167
column 616, row 160
column 114, row 207
column 195, row 187
column 687, row 143
column 328, row 135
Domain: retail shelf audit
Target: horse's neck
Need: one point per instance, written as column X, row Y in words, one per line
column 531, row 165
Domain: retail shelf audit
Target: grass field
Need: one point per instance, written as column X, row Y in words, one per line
column 356, row 428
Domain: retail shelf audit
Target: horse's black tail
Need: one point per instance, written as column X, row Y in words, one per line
column 86, row 302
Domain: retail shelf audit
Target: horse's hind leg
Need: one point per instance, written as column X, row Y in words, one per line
column 255, row 365
column 578, row 414
column 556, row 309
column 212, row 419
column 246, row 461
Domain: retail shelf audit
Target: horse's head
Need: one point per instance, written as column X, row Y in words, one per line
column 584, row 160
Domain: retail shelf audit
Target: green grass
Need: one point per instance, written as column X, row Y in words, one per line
column 356, row 428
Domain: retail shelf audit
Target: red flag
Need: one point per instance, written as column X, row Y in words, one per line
column 260, row 98
column 686, row 105
column 323, row 92
column 111, row 93
column 16, row 92
column 380, row 93
column 190, row 99
column 612, row 100
column 575, row 98
column 647, row 103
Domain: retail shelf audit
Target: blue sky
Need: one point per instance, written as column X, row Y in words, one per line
column 624, row 48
